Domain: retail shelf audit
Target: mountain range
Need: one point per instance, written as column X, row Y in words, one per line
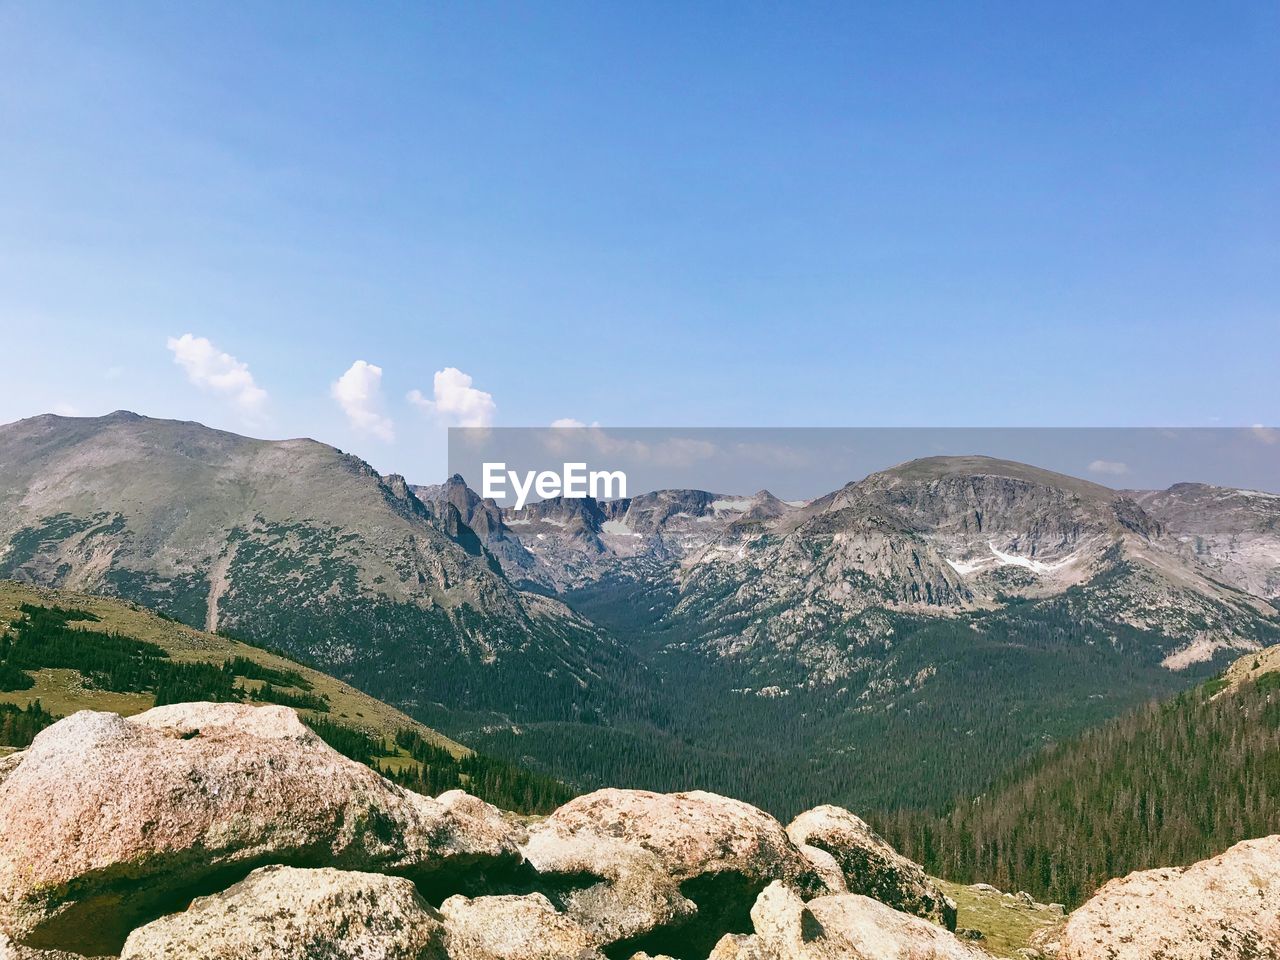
column 1195, row 568
column 898, row 641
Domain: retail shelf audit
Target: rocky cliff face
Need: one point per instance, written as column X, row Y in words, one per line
column 476, row 524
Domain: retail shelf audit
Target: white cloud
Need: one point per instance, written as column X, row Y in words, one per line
column 359, row 393
column 211, row 369
column 566, row 423
column 455, row 401
column 1111, row 468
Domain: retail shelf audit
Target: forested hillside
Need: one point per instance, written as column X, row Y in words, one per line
column 1167, row 784
column 60, row 653
column 1035, row 673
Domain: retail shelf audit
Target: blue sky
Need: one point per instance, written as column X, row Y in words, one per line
column 639, row 214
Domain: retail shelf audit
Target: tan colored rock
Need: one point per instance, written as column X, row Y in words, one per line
column 1224, row 908
column 14, row 951
column 844, row 927
column 675, row 870
column 284, row 913
column 109, row 822
column 827, row 867
column 690, row 833
column 869, row 865
column 739, row 946
column 513, row 928
column 633, row 895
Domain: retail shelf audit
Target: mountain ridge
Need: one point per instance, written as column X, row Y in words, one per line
column 293, row 542
column 896, row 641
column 931, row 536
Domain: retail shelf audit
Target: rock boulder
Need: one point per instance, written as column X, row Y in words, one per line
column 868, row 864
column 111, row 822
column 1224, row 908
column 663, row 873
column 513, row 928
column 283, row 913
column 839, row 927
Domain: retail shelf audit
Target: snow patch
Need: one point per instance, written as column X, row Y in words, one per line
column 738, row 506
column 998, row 556
column 618, row 528
column 1035, row 566
column 966, row 567
column 1258, row 493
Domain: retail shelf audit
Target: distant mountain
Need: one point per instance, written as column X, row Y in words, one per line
column 201, row 522
column 944, row 536
column 1235, row 534
column 823, row 581
column 580, row 542
column 293, row 543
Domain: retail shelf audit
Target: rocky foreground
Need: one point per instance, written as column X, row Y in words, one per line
column 224, row 831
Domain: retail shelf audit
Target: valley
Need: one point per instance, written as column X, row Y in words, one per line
column 894, row 644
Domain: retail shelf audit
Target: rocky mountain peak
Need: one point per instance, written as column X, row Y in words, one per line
column 228, row 532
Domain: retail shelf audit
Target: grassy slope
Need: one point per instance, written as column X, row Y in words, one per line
column 63, row 692
column 1007, row 925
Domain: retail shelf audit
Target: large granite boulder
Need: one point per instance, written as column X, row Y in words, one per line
column 513, row 928
column 284, row 913
column 1224, row 908
column 867, row 864
column 663, row 873
column 618, row 892
column 839, row 927
column 111, row 822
